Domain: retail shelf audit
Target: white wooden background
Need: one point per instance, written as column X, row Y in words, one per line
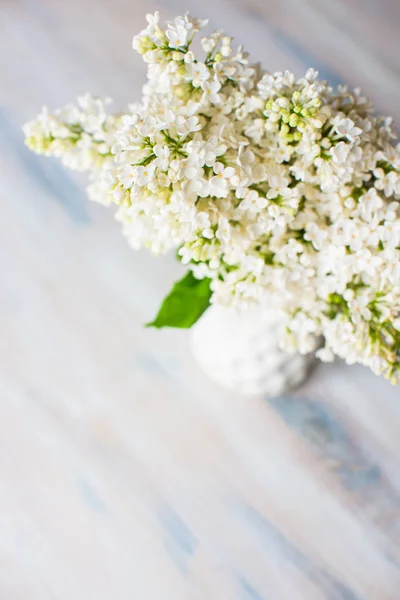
column 124, row 473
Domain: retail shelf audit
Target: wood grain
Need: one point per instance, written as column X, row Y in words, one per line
column 124, row 472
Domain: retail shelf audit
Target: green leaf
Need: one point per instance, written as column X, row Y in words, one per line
column 185, row 304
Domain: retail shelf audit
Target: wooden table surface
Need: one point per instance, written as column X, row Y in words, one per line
column 124, row 473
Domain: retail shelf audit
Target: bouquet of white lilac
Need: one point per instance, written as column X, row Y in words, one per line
column 273, row 190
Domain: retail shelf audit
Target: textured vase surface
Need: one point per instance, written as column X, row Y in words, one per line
column 240, row 350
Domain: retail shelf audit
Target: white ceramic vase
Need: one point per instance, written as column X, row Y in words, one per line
column 240, row 350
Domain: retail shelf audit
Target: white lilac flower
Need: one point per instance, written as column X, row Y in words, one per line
column 345, row 127
column 177, row 35
column 253, row 202
column 211, row 89
column 81, row 136
column 282, row 191
column 219, row 183
column 197, row 73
